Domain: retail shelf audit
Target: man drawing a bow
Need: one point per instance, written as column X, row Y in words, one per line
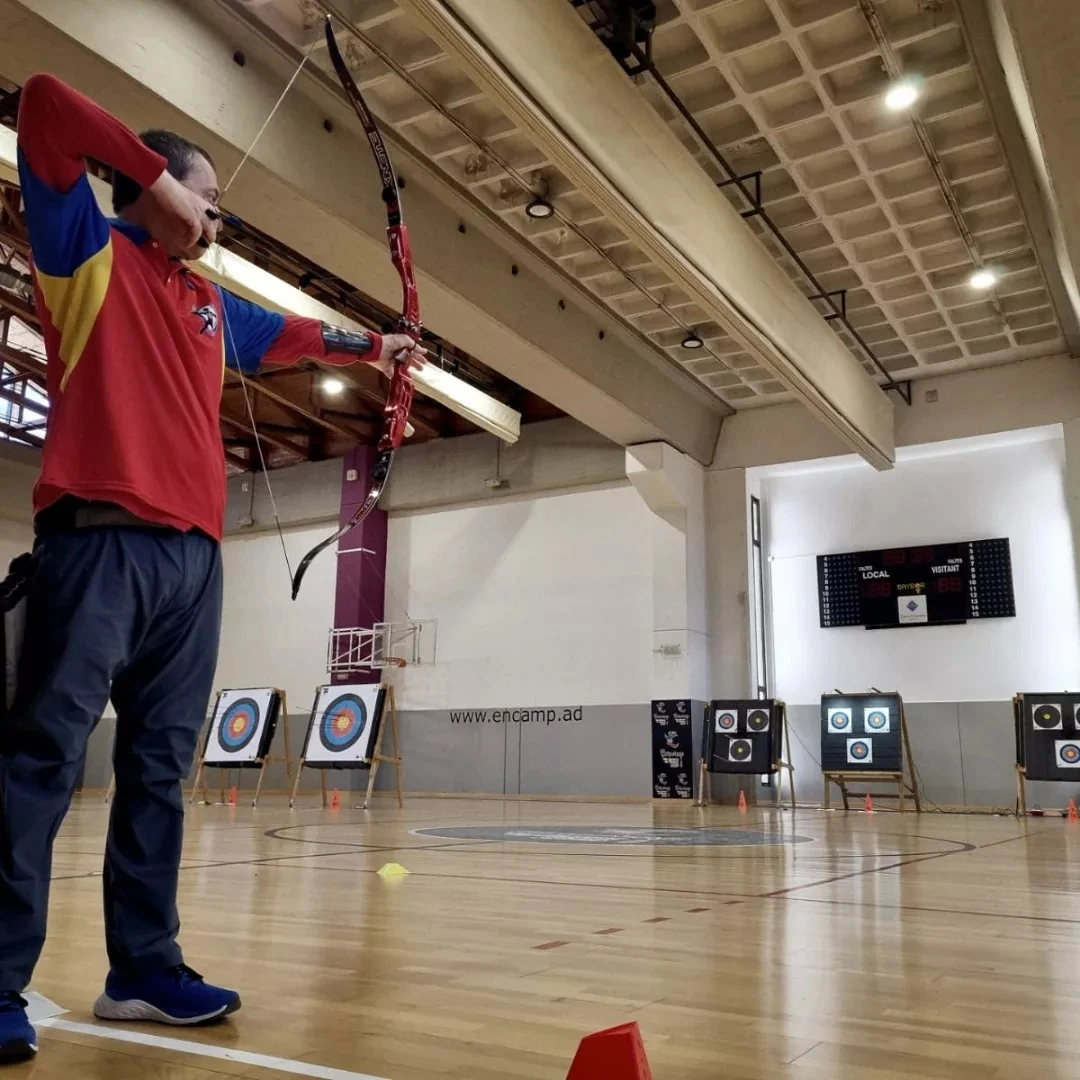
column 123, row 596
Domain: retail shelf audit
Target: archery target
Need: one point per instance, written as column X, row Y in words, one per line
column 876, row 721
column 1067, row 753
column 839, row 721
column 239, row 725
column 1046, row 717
column 740, row 750
column 757, row 720
column 344, row 723
column 725, row 720
column 860, row 751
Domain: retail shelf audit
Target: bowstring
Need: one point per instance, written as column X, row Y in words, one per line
column 228, row 327
column 258, row 445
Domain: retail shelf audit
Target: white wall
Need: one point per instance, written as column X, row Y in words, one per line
column 542, row 601
column 267, row 639
column 963, row 491
column 539, row 601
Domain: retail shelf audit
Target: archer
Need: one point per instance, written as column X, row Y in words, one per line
column 124, row 590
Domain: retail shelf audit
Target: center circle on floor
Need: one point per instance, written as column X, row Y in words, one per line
column 617, row 835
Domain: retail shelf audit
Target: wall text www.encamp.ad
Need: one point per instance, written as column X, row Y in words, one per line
column 517, row 716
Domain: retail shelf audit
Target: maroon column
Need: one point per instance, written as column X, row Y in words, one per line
column 361, row 578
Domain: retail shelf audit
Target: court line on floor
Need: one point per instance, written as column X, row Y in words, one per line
column 269, row 860
column 206, row 1050
column 967, row 849
column 922, row 909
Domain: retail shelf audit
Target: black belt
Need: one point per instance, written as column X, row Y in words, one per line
column 69, row 513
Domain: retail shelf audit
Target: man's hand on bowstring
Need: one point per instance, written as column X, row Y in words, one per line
column 399, row 348
column 178, row 218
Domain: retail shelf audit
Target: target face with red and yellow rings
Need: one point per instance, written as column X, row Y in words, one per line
column 860, row 752
column 343, row 723
column 1068, row 753
column 239, row 724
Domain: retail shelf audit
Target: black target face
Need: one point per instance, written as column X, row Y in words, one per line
column 1047, row 717
column 239, row 724
column 740, row 750
column 343, row 722
column 757, row 720
column 725, row 721
column 876, row 720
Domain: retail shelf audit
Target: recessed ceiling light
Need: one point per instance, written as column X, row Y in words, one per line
column 692, row 341
column 332, row 386
column 901, row 95
column 983, row 279
column 539, row 208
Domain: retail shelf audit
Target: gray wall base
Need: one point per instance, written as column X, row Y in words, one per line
column 964, row 753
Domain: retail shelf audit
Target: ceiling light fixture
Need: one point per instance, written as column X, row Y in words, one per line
column 901, row 96
column 539, row 209
column 332, row 386
column 983, row 279
column 692, row 341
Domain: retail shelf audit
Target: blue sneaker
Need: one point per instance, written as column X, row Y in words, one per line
column 177, row 995
column 18, row 1040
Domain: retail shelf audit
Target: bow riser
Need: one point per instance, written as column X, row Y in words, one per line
column 401, row 257
column 396, row 411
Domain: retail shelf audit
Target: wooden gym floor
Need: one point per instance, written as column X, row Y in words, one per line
column 881, row 947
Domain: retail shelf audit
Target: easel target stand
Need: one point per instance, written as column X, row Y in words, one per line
column 241, row 735
column 864, row 738
column 346, row 732
column 744, row 737
column 348, row 721
column 1047, row 740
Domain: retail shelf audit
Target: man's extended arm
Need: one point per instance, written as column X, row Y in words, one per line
column 255, row 337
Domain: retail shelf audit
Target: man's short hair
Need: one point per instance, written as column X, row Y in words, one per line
column 180, row 153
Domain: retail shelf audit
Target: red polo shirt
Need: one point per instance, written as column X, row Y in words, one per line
column 136, row 342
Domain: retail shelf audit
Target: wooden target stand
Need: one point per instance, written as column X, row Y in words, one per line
column 779, row 766
column 1021, row 791
column 260, row 763
column 905, row 784
column 1021, row 768
column 389, row 719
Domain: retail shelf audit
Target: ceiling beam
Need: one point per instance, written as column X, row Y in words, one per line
column 265, row 436
column 15, row 432
column 158, row 64
column 1027, row 55
column 235, row 381
column 594, row 124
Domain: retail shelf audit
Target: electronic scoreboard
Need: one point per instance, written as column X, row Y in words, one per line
column 916, row 586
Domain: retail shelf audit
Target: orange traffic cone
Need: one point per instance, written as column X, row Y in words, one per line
column 615, row 1054
column 1073, row 815
column 868, row 806
column 233, row 796
column 335, row 800
column 742, row 802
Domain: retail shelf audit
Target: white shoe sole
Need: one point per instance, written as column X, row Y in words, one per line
column 134, row 1009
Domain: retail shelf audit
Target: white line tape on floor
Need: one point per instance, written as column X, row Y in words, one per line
column 183, row 1046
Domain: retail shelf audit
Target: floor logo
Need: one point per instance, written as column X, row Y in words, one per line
column 594, row 835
